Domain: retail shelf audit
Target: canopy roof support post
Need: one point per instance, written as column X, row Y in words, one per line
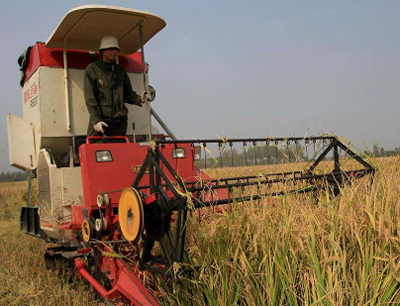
column 66, row 78
column 145, row 81
column 66, row 85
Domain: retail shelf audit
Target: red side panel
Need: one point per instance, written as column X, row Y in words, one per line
column 41, row 56
column 101, row 177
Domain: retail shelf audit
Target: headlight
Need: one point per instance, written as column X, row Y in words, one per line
column 103, row 156
column 178, row 153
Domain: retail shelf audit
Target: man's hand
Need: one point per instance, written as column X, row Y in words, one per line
column 148, row 96
column 98, row 127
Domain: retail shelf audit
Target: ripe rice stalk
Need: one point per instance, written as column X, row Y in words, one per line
column 304, row 249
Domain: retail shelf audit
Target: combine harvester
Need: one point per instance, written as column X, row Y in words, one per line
column 131, row 195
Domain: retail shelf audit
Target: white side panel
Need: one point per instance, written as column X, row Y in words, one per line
column 72, row 190
column 49, row 195
column 78, row 110
column 52, row 102
column 31, row 99
column 21, row 143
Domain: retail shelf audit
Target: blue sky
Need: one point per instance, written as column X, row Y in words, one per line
column 248, row 68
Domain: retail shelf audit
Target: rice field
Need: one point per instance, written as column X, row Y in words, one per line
column 291, row 250
column 24, row 279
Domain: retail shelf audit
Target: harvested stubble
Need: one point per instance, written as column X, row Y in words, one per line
column 282, row 251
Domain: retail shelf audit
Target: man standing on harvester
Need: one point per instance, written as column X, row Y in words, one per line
column 107, row 87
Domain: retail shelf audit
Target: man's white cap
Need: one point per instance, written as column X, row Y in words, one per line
column 109, row 42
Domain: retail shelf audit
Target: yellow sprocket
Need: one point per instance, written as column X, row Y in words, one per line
column 131, row 216
column 86, row 230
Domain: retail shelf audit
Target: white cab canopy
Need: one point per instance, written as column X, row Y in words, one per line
column 83, row 27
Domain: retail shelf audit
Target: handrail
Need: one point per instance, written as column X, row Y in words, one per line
column 104, row 139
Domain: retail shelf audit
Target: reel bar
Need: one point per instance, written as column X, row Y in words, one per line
column 206, row 187
column 246, row 140
column 235, row 178
column 357, row 175
column 265, row 151
column 225, row 179
column 333, row 175
column 254, row 197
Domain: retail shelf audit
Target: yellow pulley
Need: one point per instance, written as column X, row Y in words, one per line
column 86, row 230
column 131, row 216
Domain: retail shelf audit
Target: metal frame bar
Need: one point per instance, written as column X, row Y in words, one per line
column 348, row 173
column 66, row 77
column 172, row 247
column 162, row 123
column 269, row 139
column 66, row 84
column 145, row 80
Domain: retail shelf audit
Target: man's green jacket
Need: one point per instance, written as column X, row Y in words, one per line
column 107, row 87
